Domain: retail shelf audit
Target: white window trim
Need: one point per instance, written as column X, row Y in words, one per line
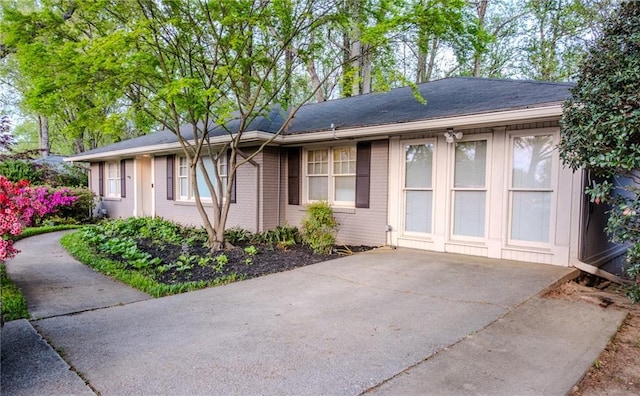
column 117, row 179
column 434, row 165
column 331, row 176
column 222, row 165
column 555, row 162
column 487, row 189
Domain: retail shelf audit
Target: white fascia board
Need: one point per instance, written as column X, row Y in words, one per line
column 553, row 110
column 166, row 148
column 458, row 122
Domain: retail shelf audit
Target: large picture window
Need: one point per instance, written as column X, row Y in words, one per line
column 530, row 191
column 185, row 182
column 113, row 179
column 331, row 175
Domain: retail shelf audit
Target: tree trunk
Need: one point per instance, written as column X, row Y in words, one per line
column 43, row 135
column 366, row 69
column 315, row 81
column 481, row 8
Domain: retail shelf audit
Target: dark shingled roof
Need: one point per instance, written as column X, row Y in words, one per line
column 445, row 98
column 448, row 97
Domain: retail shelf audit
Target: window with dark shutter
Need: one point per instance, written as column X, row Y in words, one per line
column 233, row 186
column 101, row 179
column 363, row 174
column 171, row 169
column 294, row 176
column 123, row 179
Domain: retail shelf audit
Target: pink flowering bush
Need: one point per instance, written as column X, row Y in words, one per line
column 20, row 204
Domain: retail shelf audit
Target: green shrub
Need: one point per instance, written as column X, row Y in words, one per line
column 16, row 170
column 237, row 235
column 319, row 227
column 81, row 210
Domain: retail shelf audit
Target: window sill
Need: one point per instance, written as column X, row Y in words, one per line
column 336, row 209
column 112, row 199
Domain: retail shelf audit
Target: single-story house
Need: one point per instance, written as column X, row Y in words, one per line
column 473, row 171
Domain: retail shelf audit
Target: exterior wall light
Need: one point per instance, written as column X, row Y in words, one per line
column 450, row 136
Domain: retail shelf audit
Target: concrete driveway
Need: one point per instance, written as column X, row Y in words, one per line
column 386, row 321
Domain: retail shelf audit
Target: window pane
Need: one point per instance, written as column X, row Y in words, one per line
column 202, row 184
column 468, row 218
column 470, row 164
column 317, row 162
column 418, row 211
column 345, row 189
column 344, row 160
column 318, row 188
column 184, row 192
column 418, row 160
column 532, row 157
column 530, row 216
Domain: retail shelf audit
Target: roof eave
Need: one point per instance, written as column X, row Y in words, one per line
column 513, row 116
column 504, row 117
column 168, row 148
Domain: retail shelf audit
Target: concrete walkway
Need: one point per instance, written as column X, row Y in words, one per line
column 387, row 322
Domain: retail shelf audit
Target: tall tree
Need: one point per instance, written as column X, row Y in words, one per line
column 558, row 34
column 196, row 66
column 601, row 128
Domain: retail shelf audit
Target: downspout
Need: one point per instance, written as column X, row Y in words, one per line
column 279, row 186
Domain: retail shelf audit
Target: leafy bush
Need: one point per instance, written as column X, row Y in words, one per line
column 80, row 210
column 319, row 227
column 279, row 236
column 64, row 175
column 16, row 170
column 237, row 235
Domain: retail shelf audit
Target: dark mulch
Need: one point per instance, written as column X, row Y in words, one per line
column 267, row 260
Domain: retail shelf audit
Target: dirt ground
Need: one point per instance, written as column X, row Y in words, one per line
column 617, row 370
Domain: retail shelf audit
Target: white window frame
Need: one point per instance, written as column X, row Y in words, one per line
column 331, row 175
column 486, row 189
column 404, row 189
column 112, row 170
column 183, row 173
column 552, row 189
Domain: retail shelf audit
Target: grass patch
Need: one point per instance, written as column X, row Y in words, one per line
column 78, row 247
column 14, row 306
column 32, row 231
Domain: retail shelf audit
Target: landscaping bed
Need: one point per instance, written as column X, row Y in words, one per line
column 161, row 258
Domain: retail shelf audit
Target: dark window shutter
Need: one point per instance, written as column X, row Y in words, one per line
column 294, row 176
column 171, row 185
column 123, row 179
column 233, row 186
column 363, row 174
column 101, row 179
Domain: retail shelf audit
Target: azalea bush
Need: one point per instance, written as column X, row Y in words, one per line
column 21, row 204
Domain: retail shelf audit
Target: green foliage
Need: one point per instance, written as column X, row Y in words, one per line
column 281, row 236
column 601, row 128
column 17, row 170
column 319, row 227
column 79, row 211
column 32, row 231
column 80, row 248
column 13, row 304
column 251, row 250
column 236, row 235
column 221, row 261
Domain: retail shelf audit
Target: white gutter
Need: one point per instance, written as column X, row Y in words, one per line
column 473, row 120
